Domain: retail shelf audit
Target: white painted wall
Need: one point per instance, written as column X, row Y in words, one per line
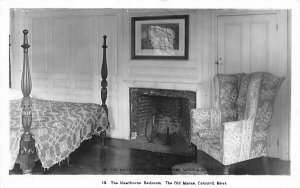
column 66, row 54
column 166, row 74
column 66, row 57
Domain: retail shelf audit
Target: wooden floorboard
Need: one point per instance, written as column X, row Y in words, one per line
column 117, row 158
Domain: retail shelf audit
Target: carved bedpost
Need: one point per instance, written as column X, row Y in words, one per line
column 9, row 64
column 104, row 76
column 104, row 84
column 27, row 143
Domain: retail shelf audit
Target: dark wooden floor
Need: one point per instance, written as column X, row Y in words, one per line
column 114, row 158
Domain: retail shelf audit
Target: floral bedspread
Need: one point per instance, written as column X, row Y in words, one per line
column 57, row 127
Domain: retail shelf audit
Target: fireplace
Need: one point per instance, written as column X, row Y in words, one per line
column 161, row 117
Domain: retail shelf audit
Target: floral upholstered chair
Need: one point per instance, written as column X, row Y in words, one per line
column 235, row 129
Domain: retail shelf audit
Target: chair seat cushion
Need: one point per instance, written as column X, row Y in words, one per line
column 209, row 134
column 188, row 169
column 214, row 143
column 210, row 145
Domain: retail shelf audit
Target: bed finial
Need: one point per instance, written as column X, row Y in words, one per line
column 25, row 44
column 104, row 42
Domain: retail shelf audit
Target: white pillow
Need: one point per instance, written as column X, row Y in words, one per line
column 15, row 94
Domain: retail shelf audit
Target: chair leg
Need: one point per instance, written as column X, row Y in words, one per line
column 196, row 154
column 226, row 169
column 265, row 163
column 233, row 168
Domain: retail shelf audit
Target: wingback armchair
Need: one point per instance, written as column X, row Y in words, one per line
column 236, row 129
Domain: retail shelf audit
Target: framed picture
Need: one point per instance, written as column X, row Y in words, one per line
column 160, row 37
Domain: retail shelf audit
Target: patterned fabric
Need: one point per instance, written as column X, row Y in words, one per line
column 246, row 138
column 261, row 97
column 210, row 145
column 241, row 101
column 227, row 88
column 204, row 121
column 200, row 119
column 57, row 127
column 236, row 141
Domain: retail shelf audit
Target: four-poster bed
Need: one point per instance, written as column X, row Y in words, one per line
column 51, row 130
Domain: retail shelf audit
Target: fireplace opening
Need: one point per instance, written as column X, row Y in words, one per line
column 161, row 117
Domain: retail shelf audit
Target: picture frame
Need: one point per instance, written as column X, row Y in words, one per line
column 160, row 37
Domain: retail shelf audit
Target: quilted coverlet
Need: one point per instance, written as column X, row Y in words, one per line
column 57, row 127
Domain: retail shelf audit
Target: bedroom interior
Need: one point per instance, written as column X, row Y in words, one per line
column 151, row 101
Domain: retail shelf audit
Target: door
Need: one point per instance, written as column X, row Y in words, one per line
column 250, row 43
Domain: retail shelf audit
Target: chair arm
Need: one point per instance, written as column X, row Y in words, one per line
column 202, row 119
column 236, row 140
column 234, row 124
